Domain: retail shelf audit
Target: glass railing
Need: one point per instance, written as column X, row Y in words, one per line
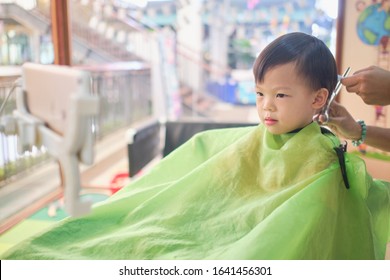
column 12, row 162
column 125, row 93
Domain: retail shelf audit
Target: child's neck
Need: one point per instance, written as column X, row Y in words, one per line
column 298, row 129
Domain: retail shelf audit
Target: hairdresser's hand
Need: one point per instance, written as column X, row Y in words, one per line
column 372, row 84
column 341, row 122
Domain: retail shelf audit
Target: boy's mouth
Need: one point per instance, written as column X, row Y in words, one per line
column 269, row 121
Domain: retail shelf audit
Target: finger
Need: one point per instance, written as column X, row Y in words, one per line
column 331, row 126
column 336, row 122
column 363, row 70
column 335, row 105
column 323, row 119
column 319, row 118
column 336, row 110
column 350, row 81
column 353, row 89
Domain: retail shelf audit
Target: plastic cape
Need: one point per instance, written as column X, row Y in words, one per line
column 237, row 193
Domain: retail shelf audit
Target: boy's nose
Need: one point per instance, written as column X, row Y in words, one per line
column 268, row 105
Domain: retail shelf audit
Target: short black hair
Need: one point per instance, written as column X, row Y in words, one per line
column 314, row 60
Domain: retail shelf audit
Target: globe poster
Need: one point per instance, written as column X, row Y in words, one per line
column 373, row 26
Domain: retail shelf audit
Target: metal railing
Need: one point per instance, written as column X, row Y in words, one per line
column 11, row 162
column 125, row 92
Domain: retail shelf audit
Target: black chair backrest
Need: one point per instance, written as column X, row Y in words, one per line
column 144, row 143
column 143, row 146
column 178, row 132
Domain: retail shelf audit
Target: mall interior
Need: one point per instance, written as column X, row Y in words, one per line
column 152, row 64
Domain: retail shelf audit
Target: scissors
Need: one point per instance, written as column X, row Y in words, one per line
column 325, row 110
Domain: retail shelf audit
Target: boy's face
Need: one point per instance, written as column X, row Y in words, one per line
column 284, row 101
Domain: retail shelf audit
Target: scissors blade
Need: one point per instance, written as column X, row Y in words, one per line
column 336, row 90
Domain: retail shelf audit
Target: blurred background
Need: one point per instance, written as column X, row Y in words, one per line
column 164, row 59
column 172, row 59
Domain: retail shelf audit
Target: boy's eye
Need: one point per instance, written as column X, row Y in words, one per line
column 258, row 93
column 281, row 95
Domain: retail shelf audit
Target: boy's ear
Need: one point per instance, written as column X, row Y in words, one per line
column 321, row 96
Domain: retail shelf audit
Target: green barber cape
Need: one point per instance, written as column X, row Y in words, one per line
column 237, row 193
